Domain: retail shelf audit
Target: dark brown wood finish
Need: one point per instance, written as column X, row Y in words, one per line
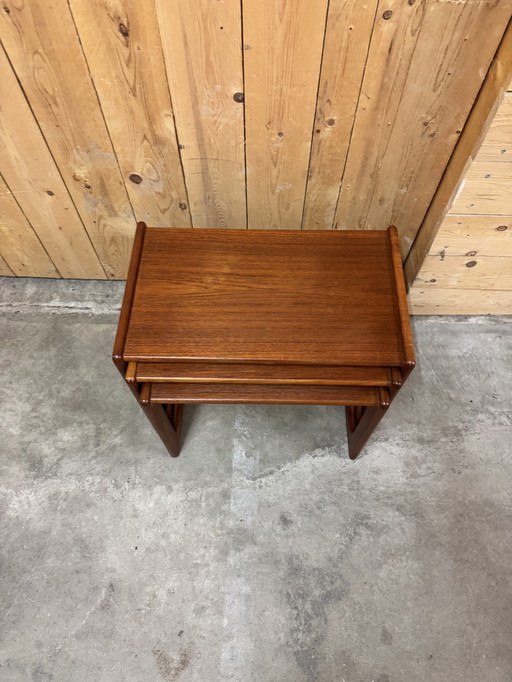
column 227, row 316
column 259, row 394
column 361, row 422
column 311, row 297
column 408, row 358
column 156, row 414
column 222, row 372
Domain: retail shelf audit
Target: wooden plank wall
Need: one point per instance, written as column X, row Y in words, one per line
column 468, row 270
column 326, row 114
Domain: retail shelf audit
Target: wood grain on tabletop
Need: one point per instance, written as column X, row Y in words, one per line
column 262, row 394
column 310, row 297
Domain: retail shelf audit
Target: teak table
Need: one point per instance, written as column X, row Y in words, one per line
column 264, row 316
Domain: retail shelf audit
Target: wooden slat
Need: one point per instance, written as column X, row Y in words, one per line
column 129, row 292
column 497, row 146
column 121, row 42
column 33, row 177
column 480, row 118
column 283, row 43
column 486, row 190
column 466, row 272
column 203, row 55
column 247, row 393
column 437, row 301
column 403, row 312
column 347, row 37
column 5, row 270
column 258, row 374
column 131, row 371
column 42, row 44
column 426, row 63
column 461, row 235
column 19, row 245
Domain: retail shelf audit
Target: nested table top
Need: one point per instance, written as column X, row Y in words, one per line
column 311, row 297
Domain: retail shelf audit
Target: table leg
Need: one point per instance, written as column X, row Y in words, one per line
column 168, row 430
column 361, row 422
column 165, row 419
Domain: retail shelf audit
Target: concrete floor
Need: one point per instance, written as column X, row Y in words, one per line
column 262, row 553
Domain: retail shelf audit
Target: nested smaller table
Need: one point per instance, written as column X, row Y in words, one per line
column 264, row 316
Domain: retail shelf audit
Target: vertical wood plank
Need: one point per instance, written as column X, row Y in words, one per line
column 487, row 190
column 477, row 125
column 122, row 46
column 19, row 246
column 32, row 176
column 283, row 48
column 497, row 146
column 348, row 31
column 202, row 47
column 425, row 67
column 5, row 270
column 41, row 42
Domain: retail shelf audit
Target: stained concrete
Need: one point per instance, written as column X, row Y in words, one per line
column 262, row 553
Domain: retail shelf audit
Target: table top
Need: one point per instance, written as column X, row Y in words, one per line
column 280, row 296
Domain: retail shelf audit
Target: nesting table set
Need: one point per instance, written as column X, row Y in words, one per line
column 264, row 316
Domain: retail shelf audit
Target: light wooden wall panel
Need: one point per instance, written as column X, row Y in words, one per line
column 284, row 42
column 121, row 42
column 421, row 79
column 5, row 270
column 469, row 266
column 203, row 52
column 347, row 40
column 486, row 189
column 231, row 113
column 477, row 125
column 33, row 176
column 465, row 235
column 467, row 272
column 459, row 301
column 497, row 146
column 20, row 248
column 44, row 49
